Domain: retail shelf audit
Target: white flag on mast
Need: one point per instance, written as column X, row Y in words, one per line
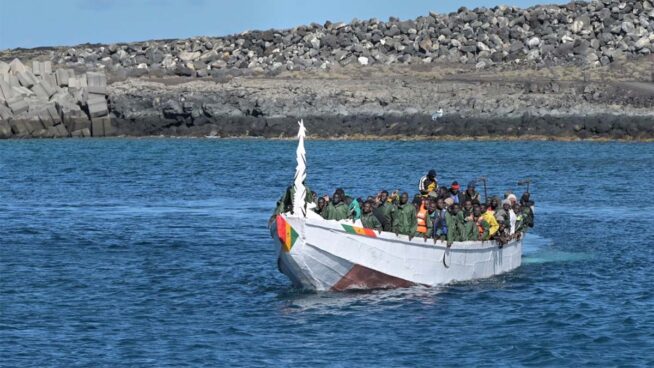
column 299, row 205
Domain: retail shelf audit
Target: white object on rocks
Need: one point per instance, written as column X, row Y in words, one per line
column 363, row 60
column 533, row 42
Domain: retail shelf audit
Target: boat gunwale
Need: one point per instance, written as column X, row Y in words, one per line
column 466, row 246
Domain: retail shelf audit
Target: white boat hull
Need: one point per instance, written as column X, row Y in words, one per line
column 331, row 255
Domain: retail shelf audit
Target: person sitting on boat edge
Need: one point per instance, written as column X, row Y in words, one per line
column 368, row 219
column 404, row 217
column 428, row 183
column 336, row 209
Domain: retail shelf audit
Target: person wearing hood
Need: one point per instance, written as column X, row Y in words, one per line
column 384, row 211
column 404, row 218
column 455, row 193
column 456, row 231
column 285, row 203
column 471, row 194
column 428, row 183
column 336, row 209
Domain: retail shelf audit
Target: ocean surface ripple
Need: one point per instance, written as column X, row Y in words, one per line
column 155, row 253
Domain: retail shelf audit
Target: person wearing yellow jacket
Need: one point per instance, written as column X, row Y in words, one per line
column 489, row 217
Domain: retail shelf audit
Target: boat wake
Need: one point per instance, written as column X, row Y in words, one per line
column 538, row 249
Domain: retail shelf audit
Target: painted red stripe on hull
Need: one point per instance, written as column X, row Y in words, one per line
column 361, row 277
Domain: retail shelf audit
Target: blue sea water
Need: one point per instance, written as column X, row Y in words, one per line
column 155, row 253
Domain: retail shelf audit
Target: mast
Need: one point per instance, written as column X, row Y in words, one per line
column 299, row 205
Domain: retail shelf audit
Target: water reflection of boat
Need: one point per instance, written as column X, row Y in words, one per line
column 319, row 254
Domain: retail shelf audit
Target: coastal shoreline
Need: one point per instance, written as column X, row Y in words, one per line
column 553, row 72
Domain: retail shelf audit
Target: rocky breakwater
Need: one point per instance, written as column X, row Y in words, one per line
column 39, row 102
column 590, row 34
column 579, row 70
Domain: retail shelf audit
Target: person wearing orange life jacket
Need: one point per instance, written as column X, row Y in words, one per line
column 425, row 225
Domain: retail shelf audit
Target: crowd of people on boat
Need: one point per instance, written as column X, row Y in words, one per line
column 437, row 212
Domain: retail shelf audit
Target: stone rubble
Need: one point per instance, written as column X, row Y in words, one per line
column 589, row 34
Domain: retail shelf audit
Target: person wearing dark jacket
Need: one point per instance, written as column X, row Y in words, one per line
column 471, row 194
column 455, row 193
column 438, row 219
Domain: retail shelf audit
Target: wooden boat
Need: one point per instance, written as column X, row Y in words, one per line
column 320, row 254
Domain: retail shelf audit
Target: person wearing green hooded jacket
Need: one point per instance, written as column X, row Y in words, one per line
column 456, row 230
column 404, row 218
column 285, row 203
column 368, row 219
column 336, row 209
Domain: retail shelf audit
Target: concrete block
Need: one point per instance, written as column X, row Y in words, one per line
column 5, row 130
column 17, row 105
column 48, row 88
column 16, row 66
column 95, row 97
column 34, row 127
column 4, row 68
column 99, row 90
column 40, row 92
column 70, row 112
column 5, row 90
column 97, row 127
column 54, row 114
column 26, row 79
column 61, row 130
column 22, row 91
column 5, row 113
column 51, row 79
column 96, row 79
column 41, row 68
column 81, row 133
column 12, row 81
column 98, row 108
column 63, row 75
column 44, row 118
column 79, row 124
column 19, row 128
column 36, row 67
